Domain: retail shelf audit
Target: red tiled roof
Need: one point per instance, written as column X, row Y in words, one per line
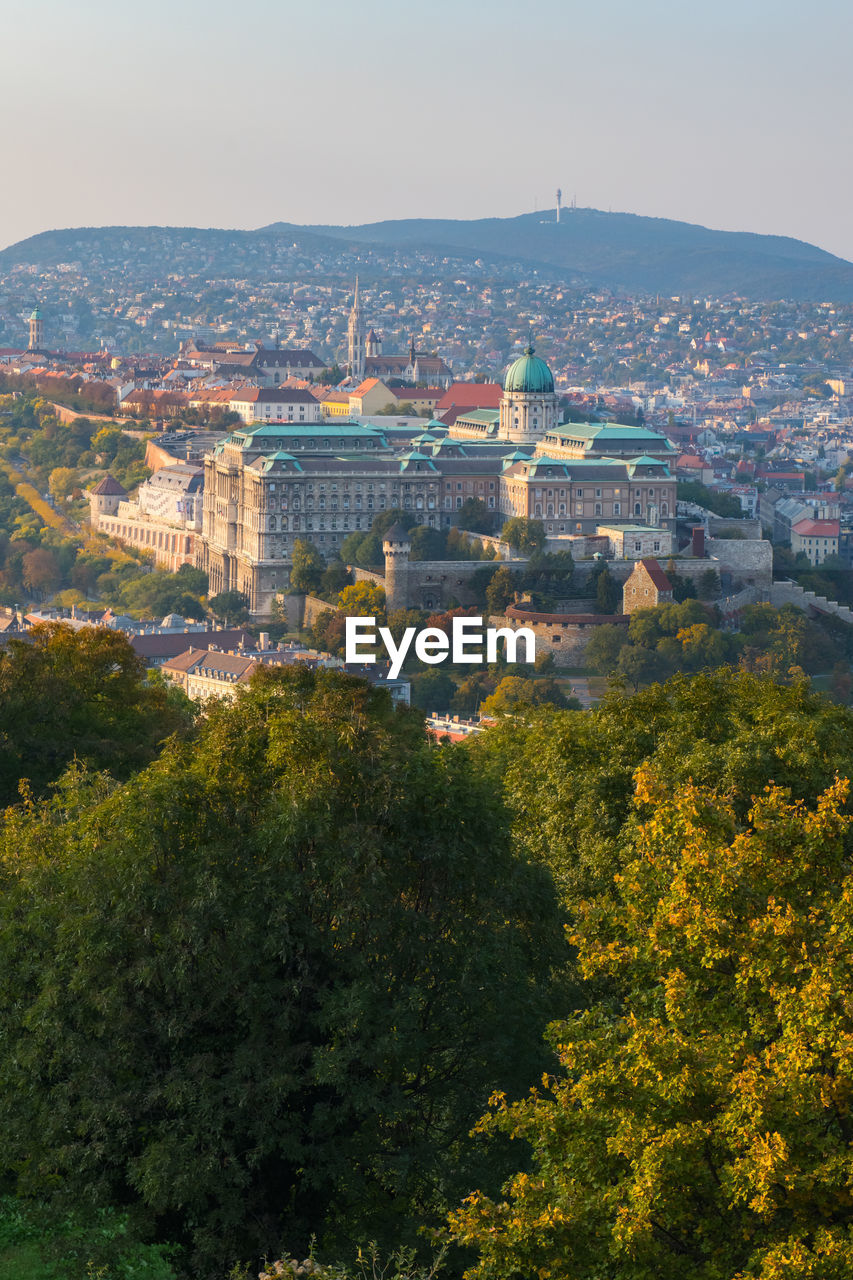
column 657, row 575
column 817, row 528
column 109, row 485
column 471, row 395
column 169, row 646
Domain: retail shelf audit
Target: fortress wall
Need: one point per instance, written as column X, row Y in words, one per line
column 564, row 636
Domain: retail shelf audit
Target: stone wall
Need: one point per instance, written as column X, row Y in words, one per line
column 564, row 635
column 434, row 584
column 751, row 529
column 751, row 559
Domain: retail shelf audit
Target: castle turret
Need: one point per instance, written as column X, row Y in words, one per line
column 396, row 546
column 104, row 498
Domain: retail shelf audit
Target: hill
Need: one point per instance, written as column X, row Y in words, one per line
column 589, row 248
column 623, row 251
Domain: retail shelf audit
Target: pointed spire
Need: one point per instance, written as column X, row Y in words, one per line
column 355, row 300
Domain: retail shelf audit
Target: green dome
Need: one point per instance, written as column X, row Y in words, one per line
column 529, row 373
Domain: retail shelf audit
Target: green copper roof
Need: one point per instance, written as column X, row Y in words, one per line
column 529, row 373
column 601, row 432
column 281, row 456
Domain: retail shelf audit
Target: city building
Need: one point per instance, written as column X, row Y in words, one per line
column 270, row 483
column 647, row 587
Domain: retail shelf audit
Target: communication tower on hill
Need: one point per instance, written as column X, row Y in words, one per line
column 559, row 202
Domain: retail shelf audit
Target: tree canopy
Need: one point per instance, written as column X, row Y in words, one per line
column 81, row 695
column 264, row 988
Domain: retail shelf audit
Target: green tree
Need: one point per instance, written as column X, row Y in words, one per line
column 526, row 536
column 605, row 645
column 520, row 691
column 307, row 567
column 230, row 605
column 608, row 592
column 432, row 690
column 474, row 516
column 383, row 520
column 472, row 692
column 702, row 1121
column 301, row 971
column 81, row 695
column 335, row 577
column 501, row 589
column 428, row 544
column 716, row 500
column 709, row 585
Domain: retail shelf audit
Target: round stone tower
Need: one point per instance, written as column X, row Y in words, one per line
column 396, row 546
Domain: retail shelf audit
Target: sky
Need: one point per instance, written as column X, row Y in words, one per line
column 737, row 114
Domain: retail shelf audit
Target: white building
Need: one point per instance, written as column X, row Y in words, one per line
column 276, row 404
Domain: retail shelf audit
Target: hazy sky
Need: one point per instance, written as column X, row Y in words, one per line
column 737, row 114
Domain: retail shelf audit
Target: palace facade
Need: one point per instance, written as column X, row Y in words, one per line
column 268, row 484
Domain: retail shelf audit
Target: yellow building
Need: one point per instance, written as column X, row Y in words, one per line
column 370, row 396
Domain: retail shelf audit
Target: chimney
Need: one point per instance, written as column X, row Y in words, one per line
column 697, row 544
column 264, row 640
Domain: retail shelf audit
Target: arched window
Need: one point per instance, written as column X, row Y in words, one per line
column 272, row 524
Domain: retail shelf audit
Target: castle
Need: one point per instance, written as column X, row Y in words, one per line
column 269, row 483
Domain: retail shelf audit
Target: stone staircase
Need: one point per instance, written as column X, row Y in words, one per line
column 788, row 592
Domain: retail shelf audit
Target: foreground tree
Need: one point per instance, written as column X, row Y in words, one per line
column 568, row 778
column 701, row 1127
column 264, row 989
column 82, row 695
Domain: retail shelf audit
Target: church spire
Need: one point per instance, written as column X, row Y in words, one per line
column 355, row 339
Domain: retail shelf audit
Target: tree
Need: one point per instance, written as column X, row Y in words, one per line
column 709, row 585
column 41, row 573
column 77, row 694
column 363, row 549
column 335, row 577
column 501, row 590
column 716, row 500
column 474, row 516
column 472, row 692
column 231, row 605
column 605, row 645
column 526, row 536
column 62, row 481
column 363, row 599
column 383, row 520
column 638, row 665
column 307, row 567
column 520, row 691
column 608, row 592
column 432, row 690
column 428, row 544
column 702, row 1121
column 301, row 970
